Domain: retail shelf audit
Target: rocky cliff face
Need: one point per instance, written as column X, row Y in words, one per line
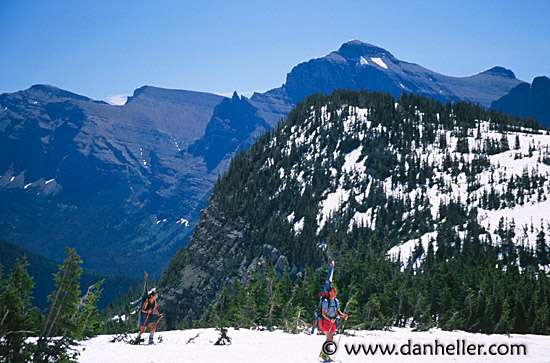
column 184, row 114
column 218, row 252
column 233, row 126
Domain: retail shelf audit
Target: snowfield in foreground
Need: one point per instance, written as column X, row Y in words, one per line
column 265, row 346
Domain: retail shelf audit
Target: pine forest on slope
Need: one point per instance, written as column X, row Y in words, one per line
column 354, row 177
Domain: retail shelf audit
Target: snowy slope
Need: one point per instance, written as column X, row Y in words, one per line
column 527, row 151
column 263, row 346
column 526, row 159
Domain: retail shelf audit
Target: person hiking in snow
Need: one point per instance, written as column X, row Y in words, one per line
column 330, row 310
column 149, row 316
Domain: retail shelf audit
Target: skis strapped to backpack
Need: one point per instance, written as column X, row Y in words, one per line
column 322, row 296
column 143, row 298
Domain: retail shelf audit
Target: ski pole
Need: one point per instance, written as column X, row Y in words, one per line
column 340, row 337
column 147, row 318
column 160, row 317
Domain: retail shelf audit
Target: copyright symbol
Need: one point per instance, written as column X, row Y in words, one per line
column 329, row 347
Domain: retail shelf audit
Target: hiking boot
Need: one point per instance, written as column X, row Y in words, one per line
column 325, row 358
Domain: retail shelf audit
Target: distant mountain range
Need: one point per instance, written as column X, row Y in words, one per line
column 125, row 184
column 358, row 65
column 112, row 181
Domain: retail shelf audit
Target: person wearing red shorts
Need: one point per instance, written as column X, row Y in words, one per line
column 330, row 310
column 149, row 316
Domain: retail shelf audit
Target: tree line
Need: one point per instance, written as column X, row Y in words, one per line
column 465, row 290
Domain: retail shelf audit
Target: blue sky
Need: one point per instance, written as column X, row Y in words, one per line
column 102, row 48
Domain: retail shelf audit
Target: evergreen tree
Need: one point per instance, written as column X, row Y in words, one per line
column 506, row 322
column 542, row 248
column 516, row 143
column 18, row 317
column 68, row 316
column 223, row 339
column 504, row 142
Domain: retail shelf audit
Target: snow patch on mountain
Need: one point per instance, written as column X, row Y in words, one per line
column 299, row 226
column 331, row 204
column 380, row 62
column 353, row 164
column 183, row 222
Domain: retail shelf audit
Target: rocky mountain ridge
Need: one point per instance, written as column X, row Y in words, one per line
column 124, row 184
column 357, row 65
column 105, row 179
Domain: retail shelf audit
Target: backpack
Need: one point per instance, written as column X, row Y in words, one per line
column 319, row 310
column 330, row 305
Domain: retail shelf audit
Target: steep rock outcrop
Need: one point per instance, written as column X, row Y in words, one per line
column 218, row 252
column 528, row 101
column 233, row 126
